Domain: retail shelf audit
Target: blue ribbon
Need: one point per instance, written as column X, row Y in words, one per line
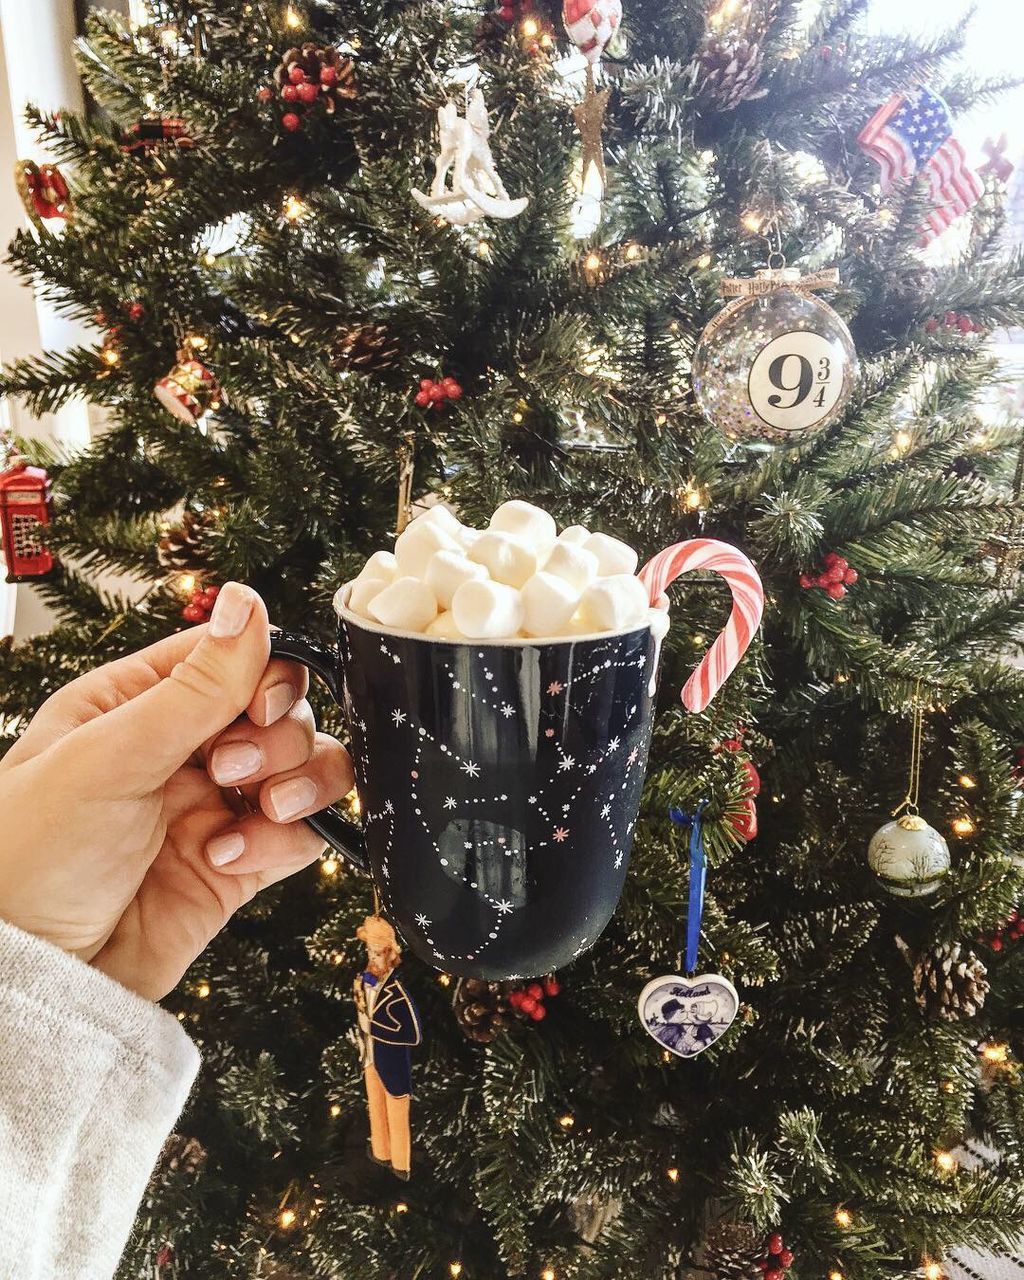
column 698, row 878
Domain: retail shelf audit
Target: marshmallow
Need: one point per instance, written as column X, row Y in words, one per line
column 363, row 591
column 382, row 564
column 418, row 543
column 507, row 559
column 444, row 627
column 615, row 603
column 525, row 521
column 613, row 557
column 406, row 604
column 548, row 604
column 485, row 610
column 447, row 571
column 443, row 516
column 468, row 536
column 572, row 564
column 575, row 535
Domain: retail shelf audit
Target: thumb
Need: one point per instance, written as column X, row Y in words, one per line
column 140, row 744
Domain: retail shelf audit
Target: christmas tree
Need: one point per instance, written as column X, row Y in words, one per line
column 245, row 238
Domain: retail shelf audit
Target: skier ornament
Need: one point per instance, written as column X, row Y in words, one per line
column 465, row 151
column 776, row 363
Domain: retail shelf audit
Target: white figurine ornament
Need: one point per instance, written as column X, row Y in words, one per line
column 476, row 191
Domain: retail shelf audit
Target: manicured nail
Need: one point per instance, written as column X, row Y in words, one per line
column 231, row 611
column 289, row 799
column 224, row 849
column 278, row 701
column 235, row 761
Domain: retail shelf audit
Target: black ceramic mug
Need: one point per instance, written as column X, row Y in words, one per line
column 499, row 784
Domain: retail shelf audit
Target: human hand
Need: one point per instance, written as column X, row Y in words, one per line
column 141, row 807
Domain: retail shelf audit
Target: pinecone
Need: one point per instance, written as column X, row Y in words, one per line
column 481, row 1009
column 183, row 543
column 179, row 1154
column 730, row 61
column 733, row 1251
column 950, row 983
column 314, row 60
column 368, row 347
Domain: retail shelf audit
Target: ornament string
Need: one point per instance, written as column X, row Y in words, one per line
column 909, row 803
column 698, row 879
column 406, row 465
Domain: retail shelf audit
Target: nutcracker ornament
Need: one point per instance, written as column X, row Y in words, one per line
column 190, row 390
column 776, row 364
column 24, row 513
column 389, row 1028
column 43, row 191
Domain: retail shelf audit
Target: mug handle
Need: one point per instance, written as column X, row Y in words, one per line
column 341, row 834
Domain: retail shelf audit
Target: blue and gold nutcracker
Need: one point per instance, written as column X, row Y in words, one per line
column 389, row 1028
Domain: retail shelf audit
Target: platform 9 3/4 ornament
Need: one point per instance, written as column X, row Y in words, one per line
column 776, row 363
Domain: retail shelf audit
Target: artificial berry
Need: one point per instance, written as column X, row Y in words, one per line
column 535, row 990
column 850, row 577
column 308, row 93
column 774, row 1274
column 552, row 987
column 835, row 591
column 211, row 593
column 826, row 52
column 786, row 1257
column 136, row 311
column 192, row 613
column 515, row 998
column 328, row 75
column 949, row 319
column 528, row 1004
column 538, row 1013
column 806, row 581
column 931, row 326
column 290, row 93
column 733, row 744
column 965, row 324
column 507, row 13
column 291, row 121
column 296, row 74
column 776, row 1243
column 451, row 388
column 422, row 399
column 265, row 94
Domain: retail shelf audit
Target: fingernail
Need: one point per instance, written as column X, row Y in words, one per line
column 289, row 799
column 224, row 849
column 234, row 761
column 278, row 701
column 231, row 611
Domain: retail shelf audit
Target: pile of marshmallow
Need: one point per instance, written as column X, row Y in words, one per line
column 519, row 577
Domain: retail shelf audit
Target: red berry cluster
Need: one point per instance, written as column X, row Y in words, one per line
column 953, row 320
column 745, row 823
column 133, row 310
column 778, row 1260
column 200, row 606
column 834, row 578
column 529, row 1000
column 434, row 394
column 1009, row 933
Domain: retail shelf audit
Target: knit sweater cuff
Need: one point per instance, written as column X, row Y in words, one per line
column 92, row 1078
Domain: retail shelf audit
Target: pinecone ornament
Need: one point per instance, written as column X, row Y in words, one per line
column 949, row 982
column 733, row 1251
column 368, row 347
column 183, row 544
column 728, row 66
column 481, row 1009
column 330, row 78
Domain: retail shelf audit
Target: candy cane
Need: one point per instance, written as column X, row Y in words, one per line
column 747, row 606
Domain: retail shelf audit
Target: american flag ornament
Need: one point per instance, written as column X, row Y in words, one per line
column 911, row 135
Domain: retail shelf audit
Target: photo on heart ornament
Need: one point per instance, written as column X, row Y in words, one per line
column 687, row 1015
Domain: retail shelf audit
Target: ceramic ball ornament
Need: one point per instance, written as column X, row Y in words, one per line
column 776, row 364
column 909, row 857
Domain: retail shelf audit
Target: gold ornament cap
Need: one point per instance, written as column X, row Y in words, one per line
column 911, row 822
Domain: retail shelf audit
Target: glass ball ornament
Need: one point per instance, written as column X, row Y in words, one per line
column 909, row 857
column 776, row 366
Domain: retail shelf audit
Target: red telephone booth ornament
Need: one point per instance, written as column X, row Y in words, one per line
column 24, row 511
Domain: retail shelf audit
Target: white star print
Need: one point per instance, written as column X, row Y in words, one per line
column 450, row 802
column 468, row 844
column 504, row 906
column 618, row 862
column 560, row 834
column 389, row 807
column 555, row 688
column 566, row 762
column 614, row 744
column 531, row 800
column 633, row 755
column 606, row 810
column 469, row 767
column 591, row 768
column 507, row 710
column 423, row 922
column 396, row 659
column 399, row 717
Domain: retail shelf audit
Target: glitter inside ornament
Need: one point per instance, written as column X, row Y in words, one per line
column 776, row 366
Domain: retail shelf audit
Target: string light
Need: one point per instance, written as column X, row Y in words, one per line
column 672, row 1174
column 197, row 341
column 483, row 249
column 946, row 1161
column 335, row 1110
column 836, row 1275
column 666, row 1056
column 691, row 497
column 111, row 356
column 329, row 866
column 455, row 1269
column 444, row 979
column 752, row 222
column 844, row 1219
column 967, row 782
column 632, row 252
column 704, row 261
column 996, row 1053
column 567, row 1121
column 963, row 826
column 517, row 416
column 203, row 990
column 593, row 260
column 355, row 805
column 292, row 18
column 902, row 441
column 187, row 583
column 933, row 1271
column 286, row 1218
column 401, row 1207
column 210, row 258
column 548, row 1274
column 169, row 37
column 948, row 1087
column 294, row 208
column 530, row 28
column 885, row 216
column 661, row 419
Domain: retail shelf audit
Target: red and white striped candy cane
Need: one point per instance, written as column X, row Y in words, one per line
column 747, row 606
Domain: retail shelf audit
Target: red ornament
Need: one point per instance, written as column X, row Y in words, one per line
column 296, row 74
column 165, row 1256
column 753, row 778
column 136, row 311
column 745, row 822
column 290, row 121
column 24, row 513
column 931, row 325
column 43, row 191
column 308, row 93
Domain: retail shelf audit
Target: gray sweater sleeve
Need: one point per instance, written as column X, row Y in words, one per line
column 92, row 1078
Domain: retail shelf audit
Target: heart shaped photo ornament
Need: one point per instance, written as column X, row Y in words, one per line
column 687, row 1015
